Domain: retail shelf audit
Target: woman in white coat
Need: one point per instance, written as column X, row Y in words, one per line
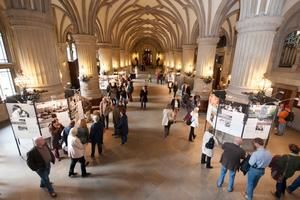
column 207, row 149
column 76, row 152
column 167, row 119
column 194, row 124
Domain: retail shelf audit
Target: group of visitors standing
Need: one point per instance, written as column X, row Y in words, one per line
column 258, row 161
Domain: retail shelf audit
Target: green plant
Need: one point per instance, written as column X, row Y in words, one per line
column 207, row 79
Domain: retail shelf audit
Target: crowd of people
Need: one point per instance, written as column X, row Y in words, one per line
column 75, row 138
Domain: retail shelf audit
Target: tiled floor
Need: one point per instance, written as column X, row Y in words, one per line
column 148, row 167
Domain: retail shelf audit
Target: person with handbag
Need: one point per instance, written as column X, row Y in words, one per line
column 55, row 128
column 194, row 124
column 259, row 160
column 289, row 163
column 208, row 143
column 167, row 119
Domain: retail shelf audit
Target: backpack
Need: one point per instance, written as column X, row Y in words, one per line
column 210, row 144
column 290, row 117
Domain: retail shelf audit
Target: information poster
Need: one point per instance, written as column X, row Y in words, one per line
column 75, row 107
column 212, row 109
column 46, row 112
column 23, row 120
column 260, row 118
column 24, row 124
column 231, row 118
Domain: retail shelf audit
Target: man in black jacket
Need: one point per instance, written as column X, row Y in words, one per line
column 230, row 160
column 38, row 160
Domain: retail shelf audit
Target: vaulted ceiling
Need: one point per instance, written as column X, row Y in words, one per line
column 127, row 23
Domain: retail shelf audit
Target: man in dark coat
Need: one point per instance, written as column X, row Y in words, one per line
column 38, row 160
column 144, row 97
column 230, row 160
column 123, row 126
column 175, row 88
column 96, row 135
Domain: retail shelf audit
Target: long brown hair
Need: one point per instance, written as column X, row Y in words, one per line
column 82, row 123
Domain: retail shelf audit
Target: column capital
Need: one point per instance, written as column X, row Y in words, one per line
column 84, row 39
column 177, row 50
column 208, row 41
column 259, row 23
column 189, row 46
column 104, row 45
column 28, row 18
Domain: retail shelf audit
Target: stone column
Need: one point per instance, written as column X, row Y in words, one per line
column 188, row 52
column 252, row 53
column 178, row 59
column 122, row 58
column 86, row 52
column 296, row 65
column 205, row 64
column 171, row 59
column 105, row 56
column 35, row 47
column 115, row 58
column 63, row 63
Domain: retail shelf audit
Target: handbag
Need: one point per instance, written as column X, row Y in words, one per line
column 210, row 144
column 244, row 165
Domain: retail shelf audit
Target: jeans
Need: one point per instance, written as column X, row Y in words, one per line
column 45, row 181
column 222, row 176
column 295, row 185
column 280, row 188
column 143, row 105
column 123, row 138
column 253, row 177
column 73, row 163
column 281, row 128
column 94, row 147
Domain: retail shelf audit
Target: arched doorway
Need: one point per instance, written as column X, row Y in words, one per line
column 147, row 58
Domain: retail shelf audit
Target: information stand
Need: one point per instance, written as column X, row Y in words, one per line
column 235, row 119
column 24, row 123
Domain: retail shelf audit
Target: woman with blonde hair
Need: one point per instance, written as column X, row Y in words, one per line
column 76, row 152
column 83, row 131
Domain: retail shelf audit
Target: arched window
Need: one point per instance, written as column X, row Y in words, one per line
column 3, row 55
column 71, row 48
column 289, row 50
column 7, row 87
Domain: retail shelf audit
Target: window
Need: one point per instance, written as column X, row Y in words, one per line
column 6, row 83
column 71, row 48
column 3, row 56
column 289, row 50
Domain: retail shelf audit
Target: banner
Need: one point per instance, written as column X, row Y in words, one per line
column 231, row 118
column 75, row 107
column 260, row 119
column 212, row 109
column 23, row 120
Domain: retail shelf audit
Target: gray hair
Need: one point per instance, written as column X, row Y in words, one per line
column 95, row 118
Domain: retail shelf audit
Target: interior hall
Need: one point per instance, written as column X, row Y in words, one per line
column 153, row 99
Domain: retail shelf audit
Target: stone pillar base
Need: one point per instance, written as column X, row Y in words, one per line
column 90, row 89
column 201, row 88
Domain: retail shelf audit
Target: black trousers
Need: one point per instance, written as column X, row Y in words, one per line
column 82, row 164
column 280, row 188
column 192, row 134
column 167, row 129
column 205, row 159
column 94, row 147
